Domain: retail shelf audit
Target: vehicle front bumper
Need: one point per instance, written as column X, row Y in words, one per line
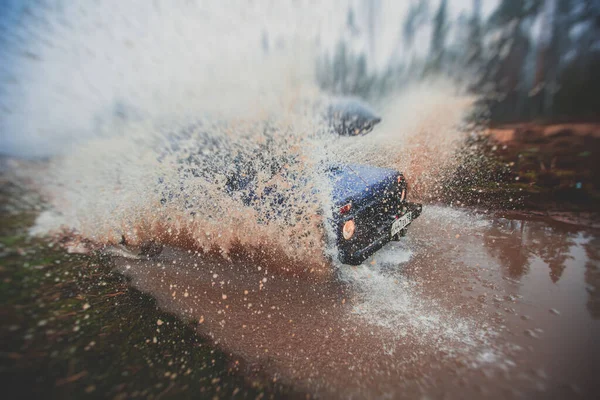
column 369, row 238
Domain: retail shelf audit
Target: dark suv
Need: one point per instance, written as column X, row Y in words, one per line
column 368, row 211
column 369, row 207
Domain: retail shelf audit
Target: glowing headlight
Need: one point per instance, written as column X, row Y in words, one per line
column 348, row 229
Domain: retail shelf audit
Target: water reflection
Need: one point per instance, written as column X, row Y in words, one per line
column 592, row 276
column 553, row 246
column 514, row 242
column 506, row 240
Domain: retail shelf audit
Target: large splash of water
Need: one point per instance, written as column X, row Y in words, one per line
column 151, row 111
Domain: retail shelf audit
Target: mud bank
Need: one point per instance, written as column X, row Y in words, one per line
column 73, row 327
column 532, row 167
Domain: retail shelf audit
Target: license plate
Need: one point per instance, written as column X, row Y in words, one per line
column 400, row 223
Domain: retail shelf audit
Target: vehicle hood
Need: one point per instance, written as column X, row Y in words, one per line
column 354, row 182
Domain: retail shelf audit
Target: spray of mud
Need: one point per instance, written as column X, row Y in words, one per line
column 167, row 111
column 173, row 184
column 390, row 300
column 178, row 186
column 422, row 128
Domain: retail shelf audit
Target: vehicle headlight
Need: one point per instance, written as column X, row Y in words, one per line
column 348, row 229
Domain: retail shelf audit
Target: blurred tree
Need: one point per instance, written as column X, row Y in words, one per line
column 340, row 70
column 351, row 23
column 438, row 39
column 474, row 38
column 416, row 17
column 530, row 59
column 547, row 76
column 348, row 75
column 553, row 43
column 504, row 67
column 373, row 8
column 577, row 81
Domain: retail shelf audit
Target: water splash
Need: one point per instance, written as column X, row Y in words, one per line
column 164, row 104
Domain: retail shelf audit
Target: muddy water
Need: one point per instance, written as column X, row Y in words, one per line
column 466, row 305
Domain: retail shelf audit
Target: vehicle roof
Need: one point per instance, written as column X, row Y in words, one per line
column 352, row 106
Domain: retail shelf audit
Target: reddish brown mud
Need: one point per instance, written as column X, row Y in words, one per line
column 467, row 305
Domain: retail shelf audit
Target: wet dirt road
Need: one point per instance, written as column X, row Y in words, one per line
column 467, row 305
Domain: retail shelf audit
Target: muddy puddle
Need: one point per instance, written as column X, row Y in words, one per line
column 466, row 305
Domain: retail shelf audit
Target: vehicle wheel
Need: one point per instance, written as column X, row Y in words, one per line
column 399, row 235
